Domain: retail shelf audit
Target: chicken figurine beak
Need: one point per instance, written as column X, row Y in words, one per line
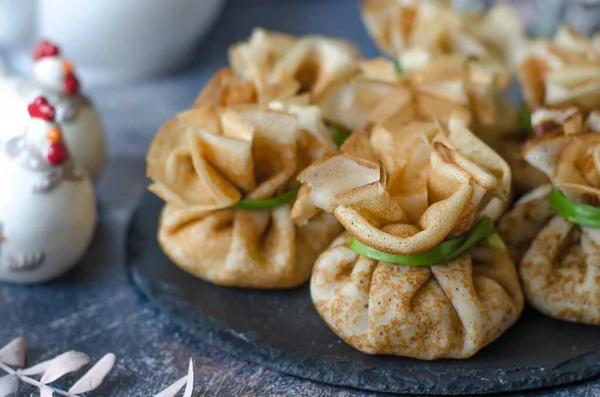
column 67, row 67
column 54, row 136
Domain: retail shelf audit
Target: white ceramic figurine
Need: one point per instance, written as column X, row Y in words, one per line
column 47, row 203
column 55, row 79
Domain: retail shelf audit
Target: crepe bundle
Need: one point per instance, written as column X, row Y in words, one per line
column 280, row 65
column 557, row 257
column 442, row 85
column 402, row 190
column 416, row 30
column 562, row 72
column 208, row 161
column 226, row 89
column 559, row 73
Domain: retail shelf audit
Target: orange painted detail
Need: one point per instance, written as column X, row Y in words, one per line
column 67, row 67
column 54, row 135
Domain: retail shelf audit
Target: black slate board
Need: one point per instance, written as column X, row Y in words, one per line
column 281, row 330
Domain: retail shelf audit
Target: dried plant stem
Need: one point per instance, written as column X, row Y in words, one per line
column 32, row 381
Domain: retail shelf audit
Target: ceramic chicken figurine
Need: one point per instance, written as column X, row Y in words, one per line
column 47, row 203
column 54, row 77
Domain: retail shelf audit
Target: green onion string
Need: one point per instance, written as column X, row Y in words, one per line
column 270, row 202
column 441, row 253
column 577, row 213
column 525, row 120
column 398, row 68
column 340, row 134
column 496, row 243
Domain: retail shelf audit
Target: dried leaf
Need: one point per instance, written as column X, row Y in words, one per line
column 67, row 362
column 189, row 386
column 36, row 369
column 172, row 390
column 9, row 384
column 46, row 391
column 14, row 352
column 95, row 376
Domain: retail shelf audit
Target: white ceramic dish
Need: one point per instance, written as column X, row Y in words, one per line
column 110, row 41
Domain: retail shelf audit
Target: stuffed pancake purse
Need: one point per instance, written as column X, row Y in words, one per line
column 276, row 62
column 556, row 73
column 553, row 232
column 564, row 71
column 416, row 33
column 227, row 175
column 412, row 31
column 413, row 275
column 441, row 85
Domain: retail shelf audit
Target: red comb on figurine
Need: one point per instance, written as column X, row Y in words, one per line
column 71, row 85
column 57, row 154
column 45, row 49
column 40, row 108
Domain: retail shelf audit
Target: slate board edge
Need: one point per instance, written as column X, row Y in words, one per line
column 449, row 383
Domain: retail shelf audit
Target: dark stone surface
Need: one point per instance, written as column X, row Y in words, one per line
column 281, row 330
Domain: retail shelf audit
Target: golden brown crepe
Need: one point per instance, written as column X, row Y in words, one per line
column 280, row 65
column 417, row 32
column 525, row 177
column 557, row 73
column 443, row 85
column 226, row 89
column 414, row 31
column 558, row 259
column 207, row 159
column 402, row 189
column 562, row 72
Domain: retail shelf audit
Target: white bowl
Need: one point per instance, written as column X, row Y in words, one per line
column 110, row 41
